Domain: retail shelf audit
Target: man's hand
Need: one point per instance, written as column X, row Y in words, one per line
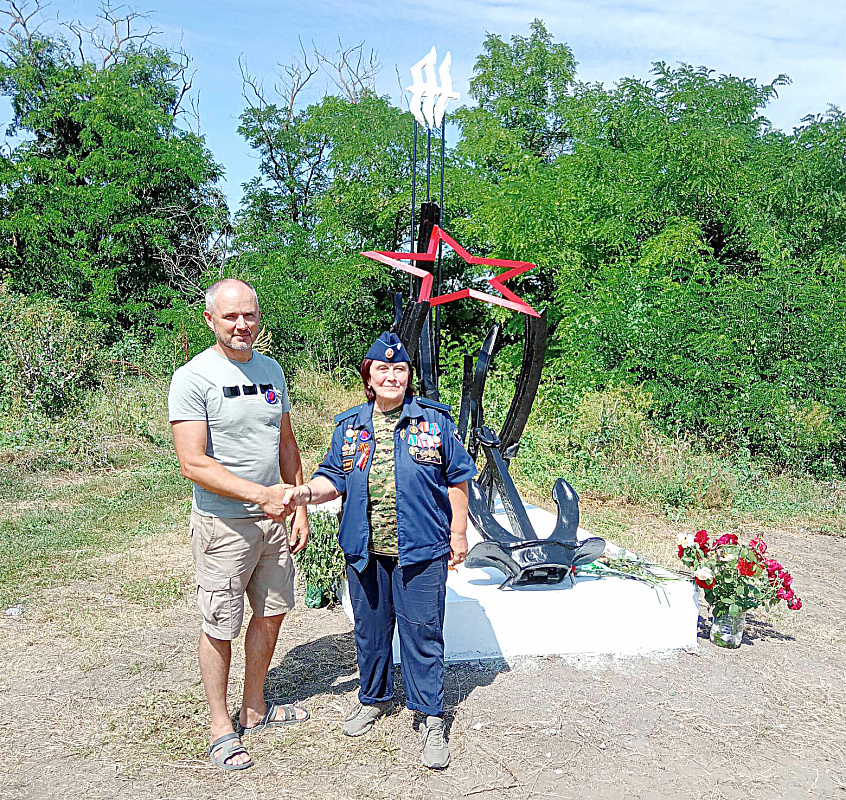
column 299, row 531
column 274, row 503
column 457, row 547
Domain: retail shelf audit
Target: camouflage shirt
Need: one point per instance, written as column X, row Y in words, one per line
column 382, row 490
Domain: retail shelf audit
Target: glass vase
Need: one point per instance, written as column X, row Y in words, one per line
column 727, row 630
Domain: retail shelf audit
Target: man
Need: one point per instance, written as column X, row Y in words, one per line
column 229, row 413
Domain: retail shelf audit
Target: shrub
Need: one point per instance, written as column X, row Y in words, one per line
column 321, row 565
column 49, row 354
column 611, row 420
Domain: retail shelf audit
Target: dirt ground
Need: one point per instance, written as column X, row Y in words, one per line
column 100, row 699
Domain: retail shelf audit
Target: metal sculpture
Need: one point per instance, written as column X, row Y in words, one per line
column 519, row 553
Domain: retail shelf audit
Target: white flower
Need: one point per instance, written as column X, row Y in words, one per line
column 724, row 555
column 686, row 539
column 704, row 574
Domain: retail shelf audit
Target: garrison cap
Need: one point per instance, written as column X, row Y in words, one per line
column 388, row 347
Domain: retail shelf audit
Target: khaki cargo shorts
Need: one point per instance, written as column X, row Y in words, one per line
column 234, row 556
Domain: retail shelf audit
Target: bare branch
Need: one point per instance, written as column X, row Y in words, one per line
column 74, row 28
column 204, row 246
column 349, row 71
column 115, row 33
column 195, row 111
column 20, row 19
column 183, row 81
column 294, row 80
column 17, row 13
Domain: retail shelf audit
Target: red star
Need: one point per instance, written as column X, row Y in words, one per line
column 509, row 299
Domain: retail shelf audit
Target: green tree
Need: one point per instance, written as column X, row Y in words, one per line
column 103, row 191
column 522, row 88
column 334, row 180
column 695, row 252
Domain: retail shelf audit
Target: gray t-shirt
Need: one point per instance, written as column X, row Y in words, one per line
column 242, row 405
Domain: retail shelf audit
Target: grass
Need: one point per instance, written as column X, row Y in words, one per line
column 50, row 537
column 157, row 591
column 96, row 483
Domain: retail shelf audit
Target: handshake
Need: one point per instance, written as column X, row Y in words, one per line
column 284, row 499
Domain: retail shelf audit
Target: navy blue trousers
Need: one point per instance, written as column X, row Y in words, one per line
column 385, row 594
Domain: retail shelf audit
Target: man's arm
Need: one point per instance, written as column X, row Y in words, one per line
column 189, row 439
column 291, row 470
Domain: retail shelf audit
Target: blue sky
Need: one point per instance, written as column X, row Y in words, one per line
column 610, row 40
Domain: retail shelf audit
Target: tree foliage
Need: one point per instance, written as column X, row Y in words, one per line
column 695, row 252
column 688, row 253
column 334, row 179
column 102, row 187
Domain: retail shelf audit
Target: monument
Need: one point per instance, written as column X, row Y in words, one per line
column 520, row 548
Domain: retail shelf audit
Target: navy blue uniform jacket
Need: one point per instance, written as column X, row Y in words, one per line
column 423, row 511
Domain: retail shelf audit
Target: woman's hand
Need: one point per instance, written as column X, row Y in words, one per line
column 458, row 499
column 295, row 496
column 457, row 547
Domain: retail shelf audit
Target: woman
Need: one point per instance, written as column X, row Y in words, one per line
column 402, row 472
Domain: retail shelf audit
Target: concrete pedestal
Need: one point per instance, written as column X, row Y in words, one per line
column 596, row 615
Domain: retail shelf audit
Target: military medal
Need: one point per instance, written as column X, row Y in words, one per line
column 364, row 449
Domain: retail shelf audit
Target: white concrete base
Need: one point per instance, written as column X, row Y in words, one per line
column 597, row 615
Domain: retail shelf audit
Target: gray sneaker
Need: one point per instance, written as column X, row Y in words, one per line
column 361, row 718
column 435, row 748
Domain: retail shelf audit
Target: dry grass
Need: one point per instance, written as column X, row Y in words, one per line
column 102, row 692
column 316, row 398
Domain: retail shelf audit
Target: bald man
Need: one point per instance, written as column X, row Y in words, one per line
column 230, row 416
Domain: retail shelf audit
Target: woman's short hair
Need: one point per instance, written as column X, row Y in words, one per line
column 365, row 378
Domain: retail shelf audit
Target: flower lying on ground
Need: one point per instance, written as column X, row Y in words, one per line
column 736, row 577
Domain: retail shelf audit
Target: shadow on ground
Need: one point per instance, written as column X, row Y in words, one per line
column 327, row 666
column 754, row 631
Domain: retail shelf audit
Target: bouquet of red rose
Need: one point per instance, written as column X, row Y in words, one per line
column 736, row 577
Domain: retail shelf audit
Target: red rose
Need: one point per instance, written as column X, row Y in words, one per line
column 701, row 537
column 786, row 580
column 681, row 551
column 795, row 604
column 745, row 568
column 759, row 544
column 785, row 594
column 705, row 584
column 726, row 538
column 772, row 566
